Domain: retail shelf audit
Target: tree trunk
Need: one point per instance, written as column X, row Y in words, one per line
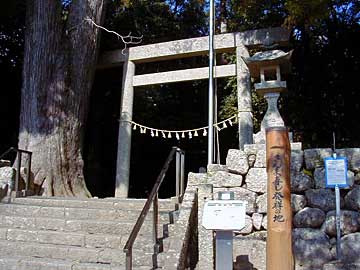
column 59, row 65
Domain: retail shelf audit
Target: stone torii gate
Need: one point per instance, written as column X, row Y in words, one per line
column 239, row 42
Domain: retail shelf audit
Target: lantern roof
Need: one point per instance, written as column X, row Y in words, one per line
column 267, row 59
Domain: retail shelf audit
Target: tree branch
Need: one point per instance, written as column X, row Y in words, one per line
column 128, row 39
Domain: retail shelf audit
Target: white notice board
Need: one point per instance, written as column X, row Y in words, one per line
column 226, row 215
column 336, row 172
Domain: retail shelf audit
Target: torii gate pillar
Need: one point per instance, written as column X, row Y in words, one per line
column 124, row 144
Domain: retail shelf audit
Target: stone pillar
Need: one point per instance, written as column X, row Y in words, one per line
column 244, row 98
column 124, row 137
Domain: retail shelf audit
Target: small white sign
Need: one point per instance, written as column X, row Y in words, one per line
column 336, row 172
column 226, row 215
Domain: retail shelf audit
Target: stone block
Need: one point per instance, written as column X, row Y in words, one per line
column 260, row 161
column 18, row 222
column 295, row 146
column 249, row 253
column 237, row 161
column 53, row 212
column 21, row 235
column 92, row 266
column 50, row 224
column 5, row 163
column 311, row 248
column 195, row 179
column 296, row 160
column 256, row 155
column 58, row 238
column 84, row 255
column 315, row 157
column 357, row 178
column 298, row 202
column 309, row 218
column 353, row 156
column 251, row 160
column 336, row 265
column 244, row 195
column 256, row 180
column 261, row 203
column 300, row 182
column 7, row 176
column 264, row 222
column 3, row 232
column 349, row 222
column 322, row 198
column 319, row 177
column 3, row 191
column 225, row 179
column 257, row 219
column 352, row 199
column 350, row 247
column 254, row 148
column 259, row 138
column 248, row 226
column 216, row 167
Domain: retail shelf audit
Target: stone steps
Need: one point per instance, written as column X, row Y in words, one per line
column 74, row 225
column 70, row 253
column 74, row 234
column 72, row 239
column 107, row 203
column 31, row 263
column 75, row 213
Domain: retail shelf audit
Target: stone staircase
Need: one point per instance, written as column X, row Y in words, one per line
column 38, row 233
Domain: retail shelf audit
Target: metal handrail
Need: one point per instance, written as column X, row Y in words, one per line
column 18, row 166
column 153, row 198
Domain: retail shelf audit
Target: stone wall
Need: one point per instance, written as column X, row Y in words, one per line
column 314, row 234
column 180, row 248
column 7, row 177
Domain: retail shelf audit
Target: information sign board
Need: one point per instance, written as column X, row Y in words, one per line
column 336, row 172
column 224, row 215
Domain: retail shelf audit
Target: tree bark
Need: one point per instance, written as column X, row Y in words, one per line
column 59, row 65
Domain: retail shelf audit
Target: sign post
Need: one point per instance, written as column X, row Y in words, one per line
column 224, row 216
column 279, row 254
column 336, row 177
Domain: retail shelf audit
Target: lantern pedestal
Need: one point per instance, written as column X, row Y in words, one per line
column 272, row 116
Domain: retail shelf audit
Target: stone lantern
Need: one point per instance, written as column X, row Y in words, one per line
column 267, row 66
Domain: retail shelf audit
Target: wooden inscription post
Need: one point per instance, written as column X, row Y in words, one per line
column 279, row 215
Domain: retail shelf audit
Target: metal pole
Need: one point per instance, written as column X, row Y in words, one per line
column 28, row 173
column 224, row 242
column 178, row 174
column 155, row 230
column 182, row 173
column 337, row 202
column 338, row 231
column 17, row 180
column 211, row 85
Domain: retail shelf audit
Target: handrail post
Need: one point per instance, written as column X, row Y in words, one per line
column 129, row 259
column 178, row 174
column 17, row 180
column 182, row 174
column 155, row 228
column 152, row 199
column 28, row 173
